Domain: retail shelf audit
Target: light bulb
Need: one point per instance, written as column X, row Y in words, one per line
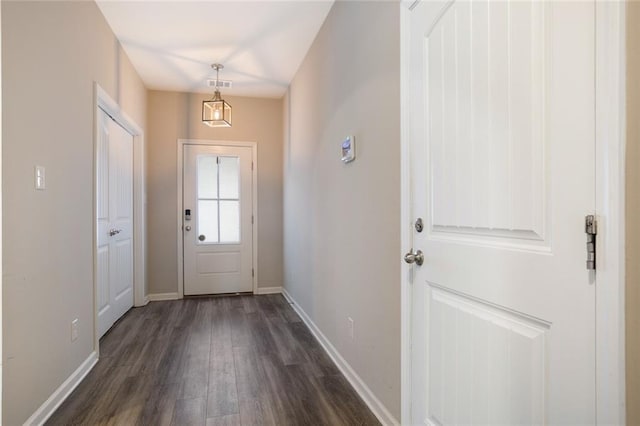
column 216, row 114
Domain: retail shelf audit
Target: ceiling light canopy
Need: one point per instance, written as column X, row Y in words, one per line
column 216, row 112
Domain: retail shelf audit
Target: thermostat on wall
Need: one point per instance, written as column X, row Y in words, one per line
column 348, row 149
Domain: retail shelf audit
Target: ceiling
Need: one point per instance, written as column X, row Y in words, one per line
column 172, row 44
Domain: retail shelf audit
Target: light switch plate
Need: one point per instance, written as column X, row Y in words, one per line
column 40, row 178
column 74, row 329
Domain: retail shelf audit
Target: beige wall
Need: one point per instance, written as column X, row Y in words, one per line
column 632, row 296
column 172, row 116
column 342, row 222
column 52, row 52
column 1, row 359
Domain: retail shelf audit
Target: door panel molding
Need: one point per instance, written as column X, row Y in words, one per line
column 610, row 160
column 472, row 332
column 179, row 214
column 104, row 102
column 487, row 165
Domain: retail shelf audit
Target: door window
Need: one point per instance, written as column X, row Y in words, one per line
column 218, row 199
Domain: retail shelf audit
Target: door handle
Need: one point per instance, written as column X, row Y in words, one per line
column 114, row 231
column 416, row 257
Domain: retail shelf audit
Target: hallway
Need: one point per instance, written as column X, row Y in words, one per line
column 244, row 360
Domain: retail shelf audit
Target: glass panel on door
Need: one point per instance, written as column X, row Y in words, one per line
column 207, row 221
column 229, row 221
column 218, row 199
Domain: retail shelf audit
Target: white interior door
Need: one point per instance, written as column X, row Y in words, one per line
column 502, row 139
column 115, row 222
column 217, row 219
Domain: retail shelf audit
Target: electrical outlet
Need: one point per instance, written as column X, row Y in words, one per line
column 74, row 329
column 350, row 325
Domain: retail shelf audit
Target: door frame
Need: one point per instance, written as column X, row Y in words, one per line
column 610, row 64
column 254, row 203
column 102, row 101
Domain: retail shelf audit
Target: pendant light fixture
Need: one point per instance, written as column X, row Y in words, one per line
column 216, row 112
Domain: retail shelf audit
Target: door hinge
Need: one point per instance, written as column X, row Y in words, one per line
column 252, row 165
column 252, row 219
column 591, row 229
column 253, row 272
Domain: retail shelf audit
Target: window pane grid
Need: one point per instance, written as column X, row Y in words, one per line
column 218, row 199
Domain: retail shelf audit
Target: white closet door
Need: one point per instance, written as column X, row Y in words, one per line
column 503, row 147
column 115, row 222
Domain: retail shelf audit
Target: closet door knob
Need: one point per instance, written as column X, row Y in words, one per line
column 416, row 257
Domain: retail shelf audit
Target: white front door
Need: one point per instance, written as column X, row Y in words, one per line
column 115, row 222
column 217, row 219
column 502, row 138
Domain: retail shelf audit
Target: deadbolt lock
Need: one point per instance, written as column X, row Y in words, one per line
column 419, row 225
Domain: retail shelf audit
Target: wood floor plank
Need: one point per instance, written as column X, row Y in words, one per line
column 249, row 304
column 278, row 398
column 240, row 328
column 241, row 360
column 252, row 413
column 151, row 356
column 164, row 313
column 309, row 399
column 289, row 350
column 228, row 420
column 121, row 334
column 236, row 302
column 222, row 397
column 262, row 339
column 159, row 406
column 99, row 410
column 171, row 365
column 127, row 403
column 73, row 410
column 197, row 354
column 321, row 364
column 346, row 402
column 222, row 394
column 194, row 386
column 249, row 375
column 267, row 308
column 189, row 412
column 285, row 309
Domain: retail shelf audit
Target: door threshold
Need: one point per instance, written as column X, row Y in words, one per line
column 201, row 296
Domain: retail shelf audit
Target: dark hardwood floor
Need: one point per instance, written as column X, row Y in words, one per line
column 241, row 360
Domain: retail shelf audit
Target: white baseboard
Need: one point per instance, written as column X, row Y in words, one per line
column 156, row 297
column 268, row 290
column 374, row 404
column 58, row 397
